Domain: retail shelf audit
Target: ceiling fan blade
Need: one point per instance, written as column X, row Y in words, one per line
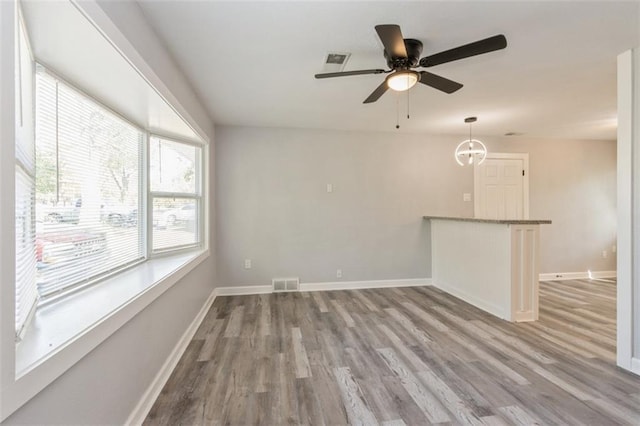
column 375, row 95
column 440, row 83
column 347, row 73
column 472, row 49
column 392, row 39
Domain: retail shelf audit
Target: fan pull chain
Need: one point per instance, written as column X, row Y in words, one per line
column 397, row 110
column 408, row 91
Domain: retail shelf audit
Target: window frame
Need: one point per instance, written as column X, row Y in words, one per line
column 18, row 162
column 198, row 196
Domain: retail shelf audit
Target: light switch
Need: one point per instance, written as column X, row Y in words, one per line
column 329, row 187
column 466, row 196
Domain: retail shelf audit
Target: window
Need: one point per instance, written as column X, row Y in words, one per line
column 88, row 164
column 78, row 205
column 81, row 212
column 175, row 170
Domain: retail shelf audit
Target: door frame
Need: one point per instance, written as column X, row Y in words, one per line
column 524, row 156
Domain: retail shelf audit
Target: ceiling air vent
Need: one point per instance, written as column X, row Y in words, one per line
column 335, row 61
column 285, row 284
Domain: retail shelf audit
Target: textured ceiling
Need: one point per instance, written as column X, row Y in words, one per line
column 252, row 63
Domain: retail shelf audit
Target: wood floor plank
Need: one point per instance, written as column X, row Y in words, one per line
column 517, row 416
column 489, row 359
column 395, row 422
column 380, row 402
column 241, row 403
column 207, row 324
column 494, row 421
column 515, row 343
column 212, row 340
column 234, row 326
column 357, row 408
column 426, row 317
column 429, row 404
column 414, row 360
column 362, row 296
column 453, row 375
column 265, row 315
column 402, row 357
column 448, row 398
column 468, row 326
column 567, row 387
column 302, row 363
column 406, row 323
column 327, row 389
column 317, row 297
column 342, row 312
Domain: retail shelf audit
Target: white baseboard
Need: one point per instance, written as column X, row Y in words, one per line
column 243, row 290
column 357, row 285
column 586, row 275
column 325, row 286
column 143, row 407
column 473, row 300
column 635, row 366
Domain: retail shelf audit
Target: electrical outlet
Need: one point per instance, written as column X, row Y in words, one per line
column 339, row 273
column 604, row 254
column 329, row 187
column 466, row 196
column 247, row 264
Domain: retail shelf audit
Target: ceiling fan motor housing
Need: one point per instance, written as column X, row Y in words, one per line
column 414, row 50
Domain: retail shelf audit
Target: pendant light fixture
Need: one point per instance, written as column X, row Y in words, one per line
column 471, row 150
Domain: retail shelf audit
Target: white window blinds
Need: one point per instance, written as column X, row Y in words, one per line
column 26, row 294
column 87, row 199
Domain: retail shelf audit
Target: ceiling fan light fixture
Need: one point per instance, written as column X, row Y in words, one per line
column 402, row 80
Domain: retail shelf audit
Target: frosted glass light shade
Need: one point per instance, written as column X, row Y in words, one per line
column 402, row 80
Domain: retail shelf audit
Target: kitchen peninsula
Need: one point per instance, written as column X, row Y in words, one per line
column 492, row 264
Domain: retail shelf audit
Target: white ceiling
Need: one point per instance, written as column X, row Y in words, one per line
column 253, row 63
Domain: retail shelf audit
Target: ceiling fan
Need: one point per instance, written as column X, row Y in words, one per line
column 403, row 54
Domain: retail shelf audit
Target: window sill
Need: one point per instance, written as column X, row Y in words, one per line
column 63, row 332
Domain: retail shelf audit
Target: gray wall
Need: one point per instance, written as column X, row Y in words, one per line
column 105, row 386
column 275, row 210
column 273, row 207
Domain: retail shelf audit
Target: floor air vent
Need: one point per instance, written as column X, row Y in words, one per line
column 286, row 284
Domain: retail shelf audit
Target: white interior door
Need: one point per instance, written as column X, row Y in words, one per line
column 501, row 187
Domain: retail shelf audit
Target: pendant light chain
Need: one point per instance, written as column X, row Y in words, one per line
column 470, row 144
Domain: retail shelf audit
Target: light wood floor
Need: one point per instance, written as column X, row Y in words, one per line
column 402, row 356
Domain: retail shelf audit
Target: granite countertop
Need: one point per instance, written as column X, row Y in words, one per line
column 500, row 221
